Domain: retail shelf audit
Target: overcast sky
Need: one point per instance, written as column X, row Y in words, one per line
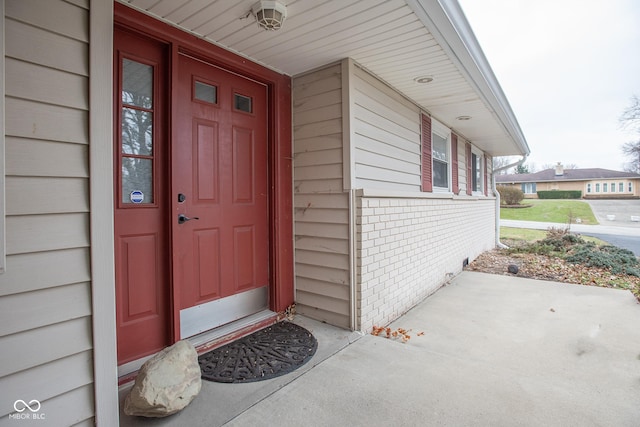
column 568, row 69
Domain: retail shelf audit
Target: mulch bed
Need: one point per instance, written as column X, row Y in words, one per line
column 542, row 267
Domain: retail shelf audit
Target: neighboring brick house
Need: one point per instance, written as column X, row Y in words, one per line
column 594, row 183
column 174, row 171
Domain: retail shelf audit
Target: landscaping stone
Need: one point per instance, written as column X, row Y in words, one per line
column 513, row 269
column 166, row 383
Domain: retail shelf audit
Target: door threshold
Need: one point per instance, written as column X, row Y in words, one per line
column 207, row 341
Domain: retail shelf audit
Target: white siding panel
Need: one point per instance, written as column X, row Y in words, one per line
column 322, row 258
column 386, row 136
column 35, row 233
column 323, row 157
column 80, row 3
column 332, row 97
column 327, row 127
column 45, row 295
column 42, row 47
column 50, row 379
column 320, row 142
column 318, row 186
column 30, row 119
column 407, row 137
column 322, row 201
column 334, row 216
column 372, row 158
column 330, row 230
column 53, row 269
column 46, row 195
column 46, row 85
column 72, row 408
column 321, row 244
column 42, row 345
column 57, row 17
column 329, row 289
column 44, row 307
column 31, row 157
column 321, row 205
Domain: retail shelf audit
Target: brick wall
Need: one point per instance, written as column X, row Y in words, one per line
column 407, row 248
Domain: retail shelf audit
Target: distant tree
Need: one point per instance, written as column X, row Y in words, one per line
column 500, row 162
column 630, row 120
column 631, row 150
column 630, row 117
column 522, row 169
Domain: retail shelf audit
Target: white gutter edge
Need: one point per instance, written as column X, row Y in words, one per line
column 499, row 244
column 448, row 25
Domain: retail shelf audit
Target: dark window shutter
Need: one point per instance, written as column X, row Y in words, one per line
column 486, row 175
column 454, row 164
column 469, row 171
column 427, row 183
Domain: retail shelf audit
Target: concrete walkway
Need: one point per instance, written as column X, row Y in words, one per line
column 496, row 351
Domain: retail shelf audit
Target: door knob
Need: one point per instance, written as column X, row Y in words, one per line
column 183, row 218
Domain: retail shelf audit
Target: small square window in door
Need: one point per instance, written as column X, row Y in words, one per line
column 205, row 92
column 242, row 103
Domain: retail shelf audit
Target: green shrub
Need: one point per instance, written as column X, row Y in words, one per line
column 510, row 195
column 560, row 194
column 618, row 260
column 561, row 239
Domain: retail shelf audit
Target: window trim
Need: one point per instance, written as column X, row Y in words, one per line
column 480, row 191
column 532, row 185
column 442, row 131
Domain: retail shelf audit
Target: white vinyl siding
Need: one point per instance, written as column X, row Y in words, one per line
column 321, row 206
column 45, row 295
column 385, row 134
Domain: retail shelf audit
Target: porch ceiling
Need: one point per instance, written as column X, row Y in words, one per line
column 397, row 40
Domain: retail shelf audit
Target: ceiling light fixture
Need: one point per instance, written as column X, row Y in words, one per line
column 463, row 118
column 269, row 14
column 423, row 79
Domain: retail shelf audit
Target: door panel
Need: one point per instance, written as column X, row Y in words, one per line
column 141, row 204
column 219, row 158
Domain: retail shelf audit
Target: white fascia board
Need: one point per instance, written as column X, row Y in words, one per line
column 445, row 20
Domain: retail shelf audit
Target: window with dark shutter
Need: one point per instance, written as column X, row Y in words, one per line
column 427, row 170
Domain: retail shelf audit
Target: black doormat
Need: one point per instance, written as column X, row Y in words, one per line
column 265, row 354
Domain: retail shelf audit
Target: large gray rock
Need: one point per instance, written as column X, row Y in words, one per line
column 166, row 383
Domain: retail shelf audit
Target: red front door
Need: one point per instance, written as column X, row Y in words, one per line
column 220, row 199
column 192, row 211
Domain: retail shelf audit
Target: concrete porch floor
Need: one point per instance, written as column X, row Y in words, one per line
column 496, row 350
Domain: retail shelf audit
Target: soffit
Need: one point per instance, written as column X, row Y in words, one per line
column 385, row 37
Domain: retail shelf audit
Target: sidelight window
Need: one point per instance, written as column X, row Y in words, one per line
column 136, row 121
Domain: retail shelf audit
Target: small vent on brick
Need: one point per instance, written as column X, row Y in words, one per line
column 465, row 262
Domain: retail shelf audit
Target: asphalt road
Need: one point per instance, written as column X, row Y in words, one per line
column 627, row 242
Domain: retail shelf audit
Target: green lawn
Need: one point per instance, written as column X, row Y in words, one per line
column 551, row 211
column 528, row 235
